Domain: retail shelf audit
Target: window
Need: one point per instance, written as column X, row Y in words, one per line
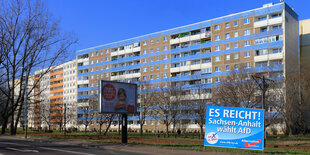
column 227, row 67
column 217, row 27
column 165, row 57
column 217, row 37
column 217, row 58
column 152, row 68
column 107, row 51
column 144, row 78
column 236, row 56
column 246, row 21
column 157, row 58
column 157, row 49
column 106, row 59
column 247, row 32
column 227, row 25
column 247, row 43
column 247, row 54
column 151, row 50
column 261, row 41
column 236, row 45
column 165, row 48
column 144, row 69
column 227, row 46
column 152, row 77
column 157, row 40
column 236, row 34
column 144, row 51
column 276, row 15
column 235, row 23
column 165, row 66
column 144, row 61
column 217, row 69
column 157, row 67
column 152, row 41
column 276, row 50
column 217, row 48
column 217, row 79
column 228, row 57
column 206, row 70
column 165, row 38
column 165, row 75
column 101, row 52
column 236, row 66
column 227, row 35
column 262, row 18
column 144, row 43
column 157, row 77
column 247, row 65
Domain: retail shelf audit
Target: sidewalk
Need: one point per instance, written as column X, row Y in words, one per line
column 152, row 150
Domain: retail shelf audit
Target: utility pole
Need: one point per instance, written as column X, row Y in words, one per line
column 263, row 86
column 65, row 117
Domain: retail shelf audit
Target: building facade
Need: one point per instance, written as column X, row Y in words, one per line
column 56, row 96
column 264, row 40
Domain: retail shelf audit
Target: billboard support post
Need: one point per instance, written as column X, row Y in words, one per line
column 124, row 128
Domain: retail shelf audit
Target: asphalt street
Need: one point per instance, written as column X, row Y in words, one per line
column 12, row 145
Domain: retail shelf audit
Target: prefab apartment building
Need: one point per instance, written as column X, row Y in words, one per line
column 264, row 40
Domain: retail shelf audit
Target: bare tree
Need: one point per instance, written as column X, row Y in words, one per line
column 199, row 101
column 146, row 100
column 45, row 115
column 87, row 116
column 103, row 119
column 29, row 39
column 170, row 101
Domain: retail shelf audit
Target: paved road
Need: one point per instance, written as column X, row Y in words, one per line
column 34, row 146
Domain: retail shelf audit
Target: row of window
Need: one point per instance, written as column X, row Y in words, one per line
column 157, row 41
column 157, row 50
column 236, row 34
column 165, row 66
column 227, row 25
column 236, row 67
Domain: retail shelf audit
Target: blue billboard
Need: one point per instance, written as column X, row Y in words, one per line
column 234, row 127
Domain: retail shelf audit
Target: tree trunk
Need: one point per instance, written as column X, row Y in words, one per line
column 12, row 125
column 17, row 119
column 4, row 125
column 167, row 128
column 119, row 125
column 201, row 131
column 141, row 128
column 100, row 129
column 85, row 129
column 107, row 129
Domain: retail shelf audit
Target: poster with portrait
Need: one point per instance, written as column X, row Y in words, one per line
column 117, row 97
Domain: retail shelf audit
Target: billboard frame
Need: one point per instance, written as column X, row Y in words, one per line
column 100, row 96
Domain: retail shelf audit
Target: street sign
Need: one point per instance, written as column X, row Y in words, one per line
column 234, row 127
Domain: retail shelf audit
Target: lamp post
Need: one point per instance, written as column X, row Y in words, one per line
column 263, row 86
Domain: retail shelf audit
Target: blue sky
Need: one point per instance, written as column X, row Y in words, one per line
column 97, row 22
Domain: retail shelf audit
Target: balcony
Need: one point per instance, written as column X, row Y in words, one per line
column 270, row 21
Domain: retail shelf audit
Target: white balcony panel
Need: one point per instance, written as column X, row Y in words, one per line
column 114, row 53
column 82, row 82
column 134, row 75
column 194, row 67
column 260, row 23
column 136, row 49
column 82, row 60
column 273, row 21
column 195, row 37
column 128, row 51
column 276, row 56
column 184, row 39
column 121, row 52
column 173, row 70
column 206, row 65
column 185, row 68
column 174, row 41
column 261, row 58
column 114, row 78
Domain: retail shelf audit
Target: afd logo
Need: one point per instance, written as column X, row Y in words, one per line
column 212, row 138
